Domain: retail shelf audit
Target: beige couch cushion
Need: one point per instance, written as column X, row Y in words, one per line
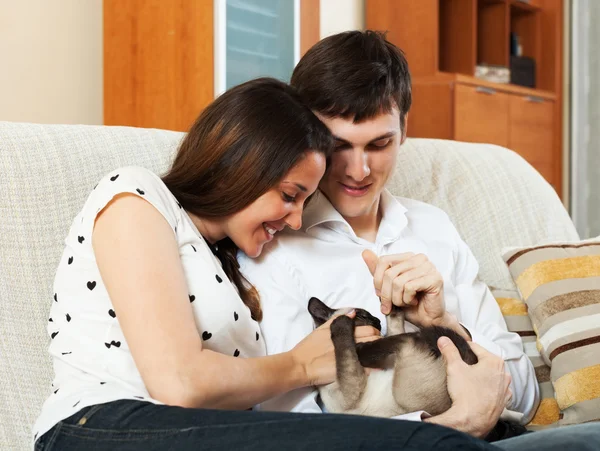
column 560, row 283
column 47, row 173
column 514, row 311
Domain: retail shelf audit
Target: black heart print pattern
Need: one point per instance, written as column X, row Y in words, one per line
column 206, row 335
column 114, row 177
column 70, row 261
column 91, row 285
column 140, row 191
column 116, row 344
column 218, row 278
column 80, row 239
column 192, row 298
column 112, row 313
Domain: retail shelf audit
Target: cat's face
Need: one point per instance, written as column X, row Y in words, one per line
column 321, row 313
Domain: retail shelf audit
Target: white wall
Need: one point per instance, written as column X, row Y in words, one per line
column 51, row 61
column 341, row 15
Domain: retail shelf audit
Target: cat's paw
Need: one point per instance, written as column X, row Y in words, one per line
column 342, row 326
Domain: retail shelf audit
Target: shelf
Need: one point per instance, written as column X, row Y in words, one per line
column 507, row 87
column 444, row 77
column 524, row 7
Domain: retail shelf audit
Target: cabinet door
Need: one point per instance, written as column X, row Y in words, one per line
column 480, row 115
column 531, row 133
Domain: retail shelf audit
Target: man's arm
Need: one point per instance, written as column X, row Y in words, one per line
column 480, row 314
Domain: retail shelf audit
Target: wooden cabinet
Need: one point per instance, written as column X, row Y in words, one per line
column 531, row 132
column 444, row 41
column 481, row 115
column 456, row 107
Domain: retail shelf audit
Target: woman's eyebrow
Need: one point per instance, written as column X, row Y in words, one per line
column 300, row 187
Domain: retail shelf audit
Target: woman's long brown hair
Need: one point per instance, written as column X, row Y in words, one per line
column 241, row 146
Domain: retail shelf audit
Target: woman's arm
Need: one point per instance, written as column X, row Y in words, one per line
column 139, row 262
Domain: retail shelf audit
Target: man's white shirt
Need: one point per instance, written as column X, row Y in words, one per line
column 323, row 259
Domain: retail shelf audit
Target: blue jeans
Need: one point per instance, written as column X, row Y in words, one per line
column 580, row 437
column 136, row 425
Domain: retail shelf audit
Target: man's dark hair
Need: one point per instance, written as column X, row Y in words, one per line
column 355, row 74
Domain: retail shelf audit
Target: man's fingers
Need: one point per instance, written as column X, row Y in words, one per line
column 407, row 285
column 449, row 351
column 388, row 288
column 371, row 260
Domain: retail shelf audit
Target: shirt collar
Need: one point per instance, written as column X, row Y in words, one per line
column 320, row 212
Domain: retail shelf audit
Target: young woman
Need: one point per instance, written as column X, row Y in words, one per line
column 154, row 332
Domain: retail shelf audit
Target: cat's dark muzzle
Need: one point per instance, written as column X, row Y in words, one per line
column 364, row 318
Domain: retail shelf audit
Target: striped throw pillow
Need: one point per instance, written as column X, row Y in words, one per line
column 514, row 311
column 560, row 284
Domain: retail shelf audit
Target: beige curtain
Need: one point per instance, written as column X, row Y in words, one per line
column 585, row 117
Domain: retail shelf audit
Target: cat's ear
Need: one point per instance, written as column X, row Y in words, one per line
column 319, row 311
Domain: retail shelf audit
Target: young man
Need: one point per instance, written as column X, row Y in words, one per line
column 359, row 246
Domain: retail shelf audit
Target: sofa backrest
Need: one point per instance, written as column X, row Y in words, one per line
column 47, row 172
column 493, row 196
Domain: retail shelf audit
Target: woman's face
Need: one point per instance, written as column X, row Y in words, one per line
column 279, row 207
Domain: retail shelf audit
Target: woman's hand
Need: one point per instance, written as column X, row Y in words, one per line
column 315, row 353
column 479, row 392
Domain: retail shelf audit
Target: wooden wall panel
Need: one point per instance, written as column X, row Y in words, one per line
column 310, row 28
column 418, row 37
column 158, row 62
column 431, row 114
column 458, row 36
column 493, row 31
column 550, row 73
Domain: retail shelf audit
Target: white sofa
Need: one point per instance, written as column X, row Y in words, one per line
column 46, row 172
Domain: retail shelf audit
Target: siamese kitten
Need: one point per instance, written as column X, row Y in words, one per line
column 410, row 372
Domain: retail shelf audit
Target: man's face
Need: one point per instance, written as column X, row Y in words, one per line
column 362, row 163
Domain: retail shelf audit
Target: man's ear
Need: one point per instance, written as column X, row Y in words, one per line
column 405, row 130
column 319, row 311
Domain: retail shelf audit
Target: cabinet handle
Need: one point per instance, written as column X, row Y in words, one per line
column 483, row 90
column 534, row 99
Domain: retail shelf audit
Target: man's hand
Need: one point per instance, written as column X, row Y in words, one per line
column 479, row 392
column 412, row 282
